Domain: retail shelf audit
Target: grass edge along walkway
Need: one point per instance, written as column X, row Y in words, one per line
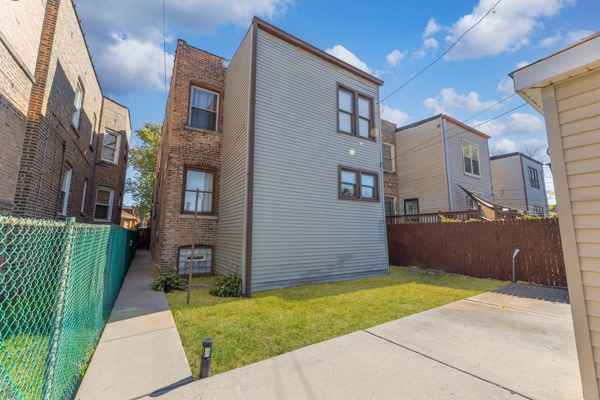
column 274, row 322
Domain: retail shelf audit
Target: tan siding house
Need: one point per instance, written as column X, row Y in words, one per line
column 565, row 87
column 433, row 157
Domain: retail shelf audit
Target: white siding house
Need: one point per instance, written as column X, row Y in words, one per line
column 565, row 88
column 519, row 183
column 301, row 194
column 436, row 155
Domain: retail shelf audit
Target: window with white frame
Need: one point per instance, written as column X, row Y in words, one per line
column 197, row 190
column 203, row 109
column 390, row 205
column 83, row 194
column 202, row 263
column 358, row 185
column 110, row 146
column 93, row 131
column 471, row 158
column 534, row 181
column 77, row 102
column 104, row 204
column 387, row 151
column 539, row 211
column 355, row 113
column 411, row 206
column 472, row 204
column 65, row 187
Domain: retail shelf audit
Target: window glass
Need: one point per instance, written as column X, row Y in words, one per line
column 65, row 187
column 411, row 206
column 364, row 107
column 103, row 209
column 390, row 205
column 368, row 186
column 203, row 109
column 202, row 260
column 349, row 183
column 471, row 158
column 110, row 147
column 77, row 102
column 358, row 184
column 364, row 128
column 345, row 99
column 386, row 151
column 198, row 183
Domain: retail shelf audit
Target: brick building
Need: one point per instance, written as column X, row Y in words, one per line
column 390, row 178
column 270, row 166
column 67, row 143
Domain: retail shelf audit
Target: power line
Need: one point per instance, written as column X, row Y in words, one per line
column 492, row 9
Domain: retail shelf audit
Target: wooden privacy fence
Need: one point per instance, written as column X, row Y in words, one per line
column 483, row 249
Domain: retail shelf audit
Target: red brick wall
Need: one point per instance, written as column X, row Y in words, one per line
column 183, row 146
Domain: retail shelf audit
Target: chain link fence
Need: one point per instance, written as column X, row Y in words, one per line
column 58, row 284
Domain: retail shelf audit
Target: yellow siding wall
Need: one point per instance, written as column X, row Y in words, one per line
column 578, row 106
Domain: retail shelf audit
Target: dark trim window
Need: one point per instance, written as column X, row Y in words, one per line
column 358, row 185
column 355, row 113
column 534, row 181
column 203, row 109
column 200, row 182
column 390, row 205
column 202, row 260
column 411, row 206
column 387, row 151
column 104, row 204
column 471, row 158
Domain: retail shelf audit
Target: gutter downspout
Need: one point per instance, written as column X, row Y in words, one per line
column 445, row 136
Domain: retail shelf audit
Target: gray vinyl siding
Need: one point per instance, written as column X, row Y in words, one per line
column 507, row 178
column 229, row 251
column 421, row 167
column 535, row 196
column 479, row 184
column 302, row 232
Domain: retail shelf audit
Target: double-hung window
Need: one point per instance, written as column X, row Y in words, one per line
column 198, row 191
column 65, row 188
column 77, row 102
column 357, row 184
column 104, row 204
column 388, row 157
column 355, row 113
column 390, row 205
column 471, row 158
column 411, row 206
column 534, row 181
column 203, row 109
column 110, row 146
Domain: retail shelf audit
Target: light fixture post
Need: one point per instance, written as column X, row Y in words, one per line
column 206, row 358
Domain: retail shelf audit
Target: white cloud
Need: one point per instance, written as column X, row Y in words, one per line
column 137, row 25
column 550, row 41
column 503, row 146
column 508, row 28
column 516, row 123
column 431, row 28
column 506, row 86
column 140, row 66
column 575, row 36
column 449, row 98
column 395, row 57
column 418, row 54
column 346, row 55
column 430, row 43
column 394, row 115
column 522, row 64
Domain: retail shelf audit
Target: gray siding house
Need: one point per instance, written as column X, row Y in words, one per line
column 292, row 156
column 433, row 157
column 519, row 183
column 300, row 191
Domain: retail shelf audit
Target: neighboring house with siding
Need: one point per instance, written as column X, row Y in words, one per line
column 432, row 158
column 519, row 183
column 281, row 147
column 565, row 88
column 57, row 161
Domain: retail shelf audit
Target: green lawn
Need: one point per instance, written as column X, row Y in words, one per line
column 278, row 321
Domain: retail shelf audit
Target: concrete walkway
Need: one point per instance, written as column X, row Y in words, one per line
column 139, row 352
column 518, row 344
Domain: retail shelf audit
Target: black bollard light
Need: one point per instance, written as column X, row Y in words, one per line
column 206, row 358
column 168, row 286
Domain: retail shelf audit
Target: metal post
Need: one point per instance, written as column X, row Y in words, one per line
column 514, row 278
column 206, row 358
column 189, row 288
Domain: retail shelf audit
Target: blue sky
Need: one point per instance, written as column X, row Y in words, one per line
column 393, row 40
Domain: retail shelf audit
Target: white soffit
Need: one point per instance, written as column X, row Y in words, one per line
column 576, row 59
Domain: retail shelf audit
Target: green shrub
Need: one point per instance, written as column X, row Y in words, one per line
column 177, row 282
column 227, row 286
